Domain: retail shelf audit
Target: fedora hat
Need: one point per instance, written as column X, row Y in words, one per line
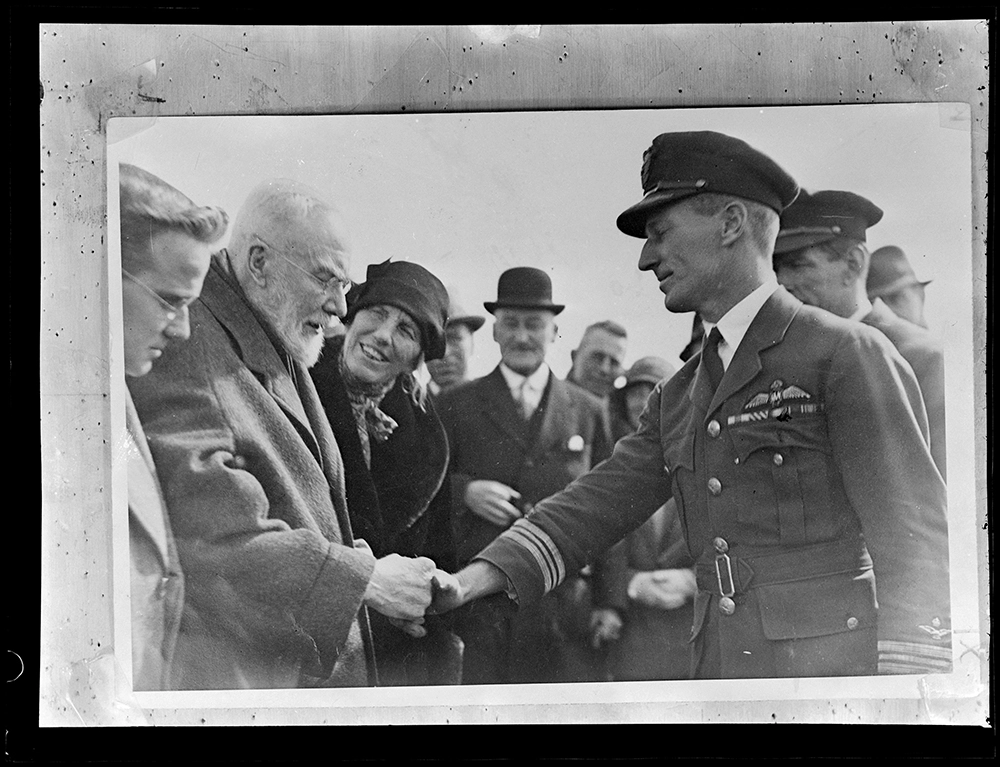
column 457, row 314
column 524, row 287
column 890, row 271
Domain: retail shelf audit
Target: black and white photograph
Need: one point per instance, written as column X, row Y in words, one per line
column 541, row 414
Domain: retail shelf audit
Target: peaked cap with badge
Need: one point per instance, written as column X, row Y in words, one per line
column 817, row 218
column 680, row 165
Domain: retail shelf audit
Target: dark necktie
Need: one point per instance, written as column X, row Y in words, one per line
column 711, row 359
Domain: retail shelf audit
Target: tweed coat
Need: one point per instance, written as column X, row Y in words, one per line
column 802, row 483
column 254, row 482
column 156, row 583
column 918, row 347
column 489, row 439
column 400, row 504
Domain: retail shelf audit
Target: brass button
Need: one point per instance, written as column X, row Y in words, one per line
column 778, row 459
column 852, row 623
column 714, row 486
column 727, row 606
column 936, row 623
column 713, row 428
column 161, row 587
column 720, row 545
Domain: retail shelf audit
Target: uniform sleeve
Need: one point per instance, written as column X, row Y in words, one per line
column 877, row 425
column 284, row 590
column 572, row 527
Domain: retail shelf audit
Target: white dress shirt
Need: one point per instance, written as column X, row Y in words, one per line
column 734, row 324
column 531, row 387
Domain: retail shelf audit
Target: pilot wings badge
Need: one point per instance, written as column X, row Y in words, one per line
column 780, row 403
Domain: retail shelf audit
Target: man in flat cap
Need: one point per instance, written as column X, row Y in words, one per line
column 820, row 256
column 519, row 435
column 453, row 369
column 793, row 445
column 597, row 361
column 891, row 278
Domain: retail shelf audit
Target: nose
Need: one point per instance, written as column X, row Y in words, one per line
column 336, row 303
column 179, row 328
column 647, row 257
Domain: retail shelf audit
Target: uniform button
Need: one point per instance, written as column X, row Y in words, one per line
column 852, row 623
column 714, row 486
column 736, row 461
column 936, row 623
column 778, row 459
column 727, row 606
column 714, row 428
column 720, row 544
column 161, row 587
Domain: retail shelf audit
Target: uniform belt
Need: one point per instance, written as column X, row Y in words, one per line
column 741, row 569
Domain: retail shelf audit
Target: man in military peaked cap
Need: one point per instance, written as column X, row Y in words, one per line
column 793, row 445
column 519, row 435
column 821, row 258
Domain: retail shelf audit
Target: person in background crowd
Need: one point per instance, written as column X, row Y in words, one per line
column 597, row 361
column 794, row 444
column 277, row 594
column 644, row 586
column 518, row 435
column 453, row 368
column 165, row 247
column 820, row 256
column 891, row 278
column 395, row 449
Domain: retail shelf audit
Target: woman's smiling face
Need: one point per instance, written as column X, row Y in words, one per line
column 381, row 342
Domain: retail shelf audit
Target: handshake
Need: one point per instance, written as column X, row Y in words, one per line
column 404, row 589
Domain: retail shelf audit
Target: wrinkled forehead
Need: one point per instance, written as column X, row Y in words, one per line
column 523, row 315
column 600, row 339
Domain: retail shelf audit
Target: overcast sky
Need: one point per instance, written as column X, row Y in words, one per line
column 470, row 195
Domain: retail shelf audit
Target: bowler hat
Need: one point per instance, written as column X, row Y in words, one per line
column 412, row 289
column 683, row 164
column 524, row 287
column 816, row 218
column 890, row 271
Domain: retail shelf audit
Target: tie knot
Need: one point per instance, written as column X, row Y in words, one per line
column 714, row 338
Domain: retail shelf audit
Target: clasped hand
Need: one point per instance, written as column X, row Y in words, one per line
column 663, row 589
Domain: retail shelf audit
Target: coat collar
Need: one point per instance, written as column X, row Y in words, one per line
column 146, row 503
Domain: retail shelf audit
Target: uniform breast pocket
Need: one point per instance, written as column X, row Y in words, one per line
column 829, row 604
column 786, row 462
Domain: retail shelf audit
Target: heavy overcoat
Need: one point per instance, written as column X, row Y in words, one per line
column 254, row 484
column 803, row 483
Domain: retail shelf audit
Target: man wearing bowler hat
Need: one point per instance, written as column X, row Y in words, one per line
column 519, row 435
column 453, row 368
column 820, row 256
column 891, row 278
column 793, row 445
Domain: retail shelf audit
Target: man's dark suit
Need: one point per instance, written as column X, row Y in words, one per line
column 489, row 439
column 802, row 483
column 917, row 346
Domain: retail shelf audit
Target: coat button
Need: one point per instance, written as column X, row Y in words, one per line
column 161, row 587
column 852, row 623
column 778, row 459
column 720, row 544
column 714, row 486
column 714, row 428
column 727, row 606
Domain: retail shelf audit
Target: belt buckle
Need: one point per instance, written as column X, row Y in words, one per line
column 729, row 574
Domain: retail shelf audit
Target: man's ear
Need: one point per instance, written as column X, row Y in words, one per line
column 856, row 259
column 256, row 259
column 734, row 221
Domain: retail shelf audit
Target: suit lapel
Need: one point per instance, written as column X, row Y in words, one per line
column 556, row 413
column 145, row 501
column 230, row 307
column 499, row 408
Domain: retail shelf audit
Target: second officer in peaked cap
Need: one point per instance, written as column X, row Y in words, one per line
column 793, row 445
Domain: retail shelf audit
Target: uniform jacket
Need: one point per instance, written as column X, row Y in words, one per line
column 398, row 505
column 809, row 469
column 254, row 482
column 491, row 440
column 157, row 585
column 919, row 348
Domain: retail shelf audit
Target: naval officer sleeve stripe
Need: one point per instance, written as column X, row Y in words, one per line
column 897, row 657
column 542, row 549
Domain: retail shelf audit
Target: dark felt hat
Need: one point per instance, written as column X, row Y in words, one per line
column 680, row 165
column 458, row 316
column 412, row 289
column 890, row 271
column 816, row 218
column 524, row 287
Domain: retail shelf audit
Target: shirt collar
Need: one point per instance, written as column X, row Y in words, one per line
column 536, row 381
column 734, row 324
column 864, row 309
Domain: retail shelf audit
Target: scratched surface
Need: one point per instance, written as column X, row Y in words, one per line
column 90, row 73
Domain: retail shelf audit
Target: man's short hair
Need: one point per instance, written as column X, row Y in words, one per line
column 763, row 222
column 608, row 326
column 150, row 206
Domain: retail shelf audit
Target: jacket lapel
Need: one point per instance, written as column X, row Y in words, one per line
column 145, row 501
column 230, row 308
column 498, row 407
column 557, row 413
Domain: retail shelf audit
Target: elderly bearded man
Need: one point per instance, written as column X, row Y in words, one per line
column 277, row 591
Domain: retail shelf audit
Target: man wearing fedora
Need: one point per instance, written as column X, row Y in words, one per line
column 891, row 278
column 453, row 368
column 820, row 256
column 517, row 436
column 793, row 444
